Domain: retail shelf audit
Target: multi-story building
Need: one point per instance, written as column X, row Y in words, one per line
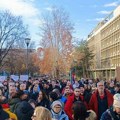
column 104, row 41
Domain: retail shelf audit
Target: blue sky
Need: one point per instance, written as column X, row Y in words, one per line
column 84, row 14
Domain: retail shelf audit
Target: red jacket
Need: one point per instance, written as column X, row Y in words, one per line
column 93, row 104
column 68, row 105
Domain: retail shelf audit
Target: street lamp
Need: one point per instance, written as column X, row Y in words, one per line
column 27, row 41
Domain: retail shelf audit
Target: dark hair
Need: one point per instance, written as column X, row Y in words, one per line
column 79, row 110
column 44, row 96
column 32, row 101
column 53, row 95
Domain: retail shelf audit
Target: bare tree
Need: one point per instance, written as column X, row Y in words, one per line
column 56, row 33
column 12, row 33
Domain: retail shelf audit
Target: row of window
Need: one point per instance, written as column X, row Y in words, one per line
column 112, row 27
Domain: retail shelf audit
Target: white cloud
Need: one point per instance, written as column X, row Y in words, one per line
column 19, row 7
column 104, row 12
column 49, row 9
column 94, row 20
column 26, row 9
column 113, row 4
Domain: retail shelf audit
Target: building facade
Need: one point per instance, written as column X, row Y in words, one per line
column 104, row 41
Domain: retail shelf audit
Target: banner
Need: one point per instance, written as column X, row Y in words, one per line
column 23, row 77
column 14, row 77
column 2, row 78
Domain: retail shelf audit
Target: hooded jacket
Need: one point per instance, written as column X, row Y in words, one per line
column 59, row 116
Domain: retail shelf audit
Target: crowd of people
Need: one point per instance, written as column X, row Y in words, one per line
column 45, row 99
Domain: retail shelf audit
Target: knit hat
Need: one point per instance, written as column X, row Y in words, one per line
column 116, row 102
column 57, row 102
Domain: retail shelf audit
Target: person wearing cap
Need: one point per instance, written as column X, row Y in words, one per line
column 57, row 111
column 113, row 113
column 76, row 96
column 100, row 100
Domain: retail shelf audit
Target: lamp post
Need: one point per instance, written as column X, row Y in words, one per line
column 27, row 41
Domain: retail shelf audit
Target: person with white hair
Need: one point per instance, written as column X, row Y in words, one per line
column 100, row 100
column 113, row 113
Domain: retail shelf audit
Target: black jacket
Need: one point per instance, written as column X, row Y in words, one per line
column 24, row 111
column 45, row 103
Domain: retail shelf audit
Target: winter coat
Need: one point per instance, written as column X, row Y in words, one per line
column 45, row 103
column 93, row 104
column 69, row 103
column 12, row 103
column 24, row 111
column 3, row 115
column 110, row 114
column 60, row 116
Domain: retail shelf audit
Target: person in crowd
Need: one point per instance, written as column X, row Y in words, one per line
column 69, row 84
column 85, row 96
column 80, row 112
column 100, row 100
column 57, row 111
column 52, row 97
column 3, row 115
column 16, row 99
column 24, row 110
column 111, row 88
column 46, row 88
column 71, row 99
column 28, row 83
column 42, row 100
column 94, row 87
column 88, row 88
column 55, row 85
column 35, row 92
column 67, row 92
column 60, row 96
column 6, row 108
column 117, row 88
column 113, row 113
column 76, row 84
column 23, row 86
column 41, row 113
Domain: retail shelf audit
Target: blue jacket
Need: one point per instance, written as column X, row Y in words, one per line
column 60, row 116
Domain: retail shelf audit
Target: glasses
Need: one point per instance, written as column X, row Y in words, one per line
column 58, row 107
